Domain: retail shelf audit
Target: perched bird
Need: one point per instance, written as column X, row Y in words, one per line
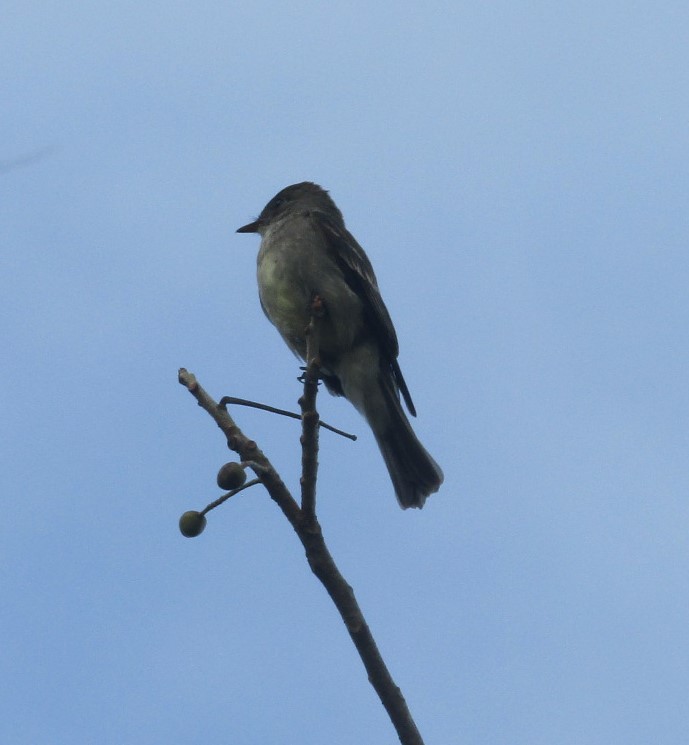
column 306, row 253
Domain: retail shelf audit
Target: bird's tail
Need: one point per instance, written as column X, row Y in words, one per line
column 414, row 473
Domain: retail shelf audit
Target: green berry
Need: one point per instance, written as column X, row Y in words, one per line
column 192, row 524
column 231, row 476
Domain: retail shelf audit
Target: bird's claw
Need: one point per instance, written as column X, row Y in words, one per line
column 302, row 377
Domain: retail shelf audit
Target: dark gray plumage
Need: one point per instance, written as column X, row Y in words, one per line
column 305, row 251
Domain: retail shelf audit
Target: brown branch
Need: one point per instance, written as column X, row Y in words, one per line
column 309, row 421
column 320, row 560
column 246, row 448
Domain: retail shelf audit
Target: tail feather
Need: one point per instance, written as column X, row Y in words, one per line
column 414, row 473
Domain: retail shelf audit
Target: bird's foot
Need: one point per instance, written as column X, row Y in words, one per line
column 302, row 377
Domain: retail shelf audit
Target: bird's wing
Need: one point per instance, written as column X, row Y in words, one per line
column 359, row 275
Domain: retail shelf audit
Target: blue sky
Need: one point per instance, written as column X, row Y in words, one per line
column 519, row 175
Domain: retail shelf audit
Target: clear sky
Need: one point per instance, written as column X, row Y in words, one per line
column 519, row 176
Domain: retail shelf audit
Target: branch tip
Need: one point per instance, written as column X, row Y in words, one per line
column 187, row 379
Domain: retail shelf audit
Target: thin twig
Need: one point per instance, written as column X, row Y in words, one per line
column 231, row 400
column 229, row 494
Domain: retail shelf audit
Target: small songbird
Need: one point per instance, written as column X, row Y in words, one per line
column 307, row 253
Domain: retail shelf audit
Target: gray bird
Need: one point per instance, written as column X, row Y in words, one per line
column 307, row 252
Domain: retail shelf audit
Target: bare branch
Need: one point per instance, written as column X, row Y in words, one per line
column 246, row 448
column 309, row 421
column 309, row 531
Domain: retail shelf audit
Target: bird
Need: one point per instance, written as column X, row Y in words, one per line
column 306, row 254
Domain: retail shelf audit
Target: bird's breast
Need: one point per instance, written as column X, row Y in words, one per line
column 294, row 266
column 284, row 295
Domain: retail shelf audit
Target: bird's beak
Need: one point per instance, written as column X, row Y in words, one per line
column 252, row 227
